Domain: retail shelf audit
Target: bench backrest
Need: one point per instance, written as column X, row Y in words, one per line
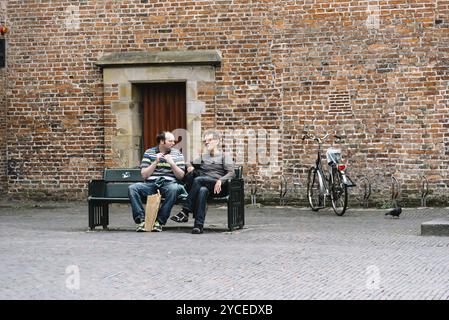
column 118, row 180
column 133, row 175
column 122, row 175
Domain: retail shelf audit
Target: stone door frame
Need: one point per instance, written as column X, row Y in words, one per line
column 123, row 102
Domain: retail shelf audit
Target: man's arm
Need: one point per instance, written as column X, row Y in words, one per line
column 228, row 165
column 179, row 173
column 146, row 172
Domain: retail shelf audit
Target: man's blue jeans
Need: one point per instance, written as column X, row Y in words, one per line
column 200, row 189
column 169, row 191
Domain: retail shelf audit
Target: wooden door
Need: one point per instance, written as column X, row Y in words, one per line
column 164, row 109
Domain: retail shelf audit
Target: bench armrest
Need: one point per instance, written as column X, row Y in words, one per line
column 236, row 187
column 233, row 181
column 238, row 172
column 97, row 188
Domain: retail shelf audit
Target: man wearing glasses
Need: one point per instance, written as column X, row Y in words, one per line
column 205, row 176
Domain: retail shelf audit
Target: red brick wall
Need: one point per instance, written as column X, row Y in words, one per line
column 55, row 115
column 3, row 163
column 382, row 88
column 378, row 75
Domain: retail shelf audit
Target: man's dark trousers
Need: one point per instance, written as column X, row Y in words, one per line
column 200, row 189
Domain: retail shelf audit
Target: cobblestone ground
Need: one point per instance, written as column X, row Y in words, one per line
column 283, row 253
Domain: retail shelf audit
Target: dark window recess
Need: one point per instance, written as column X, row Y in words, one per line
column 2, row 53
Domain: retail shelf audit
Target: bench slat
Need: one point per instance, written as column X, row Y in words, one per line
column 117, row 189
column 109, row 200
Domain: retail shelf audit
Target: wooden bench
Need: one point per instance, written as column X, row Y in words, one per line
column 113, row 188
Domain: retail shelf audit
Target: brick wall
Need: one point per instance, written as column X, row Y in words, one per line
column 55, row 116
column 377, row 75
column 3, row 164
column 374, row 71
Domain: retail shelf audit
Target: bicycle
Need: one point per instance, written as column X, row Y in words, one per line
column 333, row 185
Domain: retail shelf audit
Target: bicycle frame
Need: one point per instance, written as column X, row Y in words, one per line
column 331, row 185
column 325, row 180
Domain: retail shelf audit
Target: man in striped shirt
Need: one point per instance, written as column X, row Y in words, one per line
column 163, row 168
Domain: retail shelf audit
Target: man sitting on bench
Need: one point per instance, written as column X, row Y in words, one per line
column 162, row 168
column 208, row 174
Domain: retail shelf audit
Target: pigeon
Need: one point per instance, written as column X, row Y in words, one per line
column 395, row 212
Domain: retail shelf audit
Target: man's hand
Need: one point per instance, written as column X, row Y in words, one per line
column 158, row 157
column 190, row 169
column 169, row 159
column 217, row 187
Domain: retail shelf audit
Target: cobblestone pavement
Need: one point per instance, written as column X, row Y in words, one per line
column 46, row 252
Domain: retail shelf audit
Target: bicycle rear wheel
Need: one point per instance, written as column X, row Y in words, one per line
column 313, row 190
column 339, row 193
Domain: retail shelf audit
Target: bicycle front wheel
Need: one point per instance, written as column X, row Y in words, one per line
column 313, row 189
column 339, row 193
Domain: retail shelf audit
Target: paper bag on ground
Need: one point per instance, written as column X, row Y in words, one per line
column 151, row 210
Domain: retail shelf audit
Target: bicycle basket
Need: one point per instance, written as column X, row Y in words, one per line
column 333, row 155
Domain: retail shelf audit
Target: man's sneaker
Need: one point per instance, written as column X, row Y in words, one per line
column 180, row 217
column 141, row 227
column 197, row 230
column 157, row 227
